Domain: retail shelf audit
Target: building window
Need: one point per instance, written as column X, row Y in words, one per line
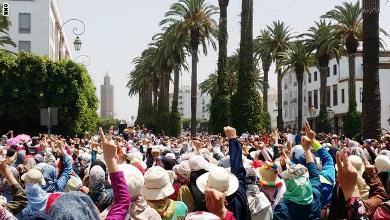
column 328, row 73
column 309, row 77
column 335, row 95
column 24, row 46
column 24, row 23
column 309, row 95
column 289, row 79
column 328, row 96
column 342, row 96
column 361, row 94
column 335, row 69
column 315, row 98
column 315, row 76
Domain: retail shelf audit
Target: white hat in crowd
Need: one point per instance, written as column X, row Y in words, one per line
column 219, row 179
column 134, row 179
column 157, row 184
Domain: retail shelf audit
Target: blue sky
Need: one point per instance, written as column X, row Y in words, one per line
column 118, row 31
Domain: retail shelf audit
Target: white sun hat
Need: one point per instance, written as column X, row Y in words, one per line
column 219, row 179
column 157, row 184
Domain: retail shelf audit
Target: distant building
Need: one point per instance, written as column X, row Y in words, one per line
column 184, row 106
column 107, row 98
column 273, row 106
column 337, row 91
column 35, row 27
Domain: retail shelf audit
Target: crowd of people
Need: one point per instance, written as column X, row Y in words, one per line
column 141, row 176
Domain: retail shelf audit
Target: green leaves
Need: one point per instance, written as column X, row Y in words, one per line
column 31, row 82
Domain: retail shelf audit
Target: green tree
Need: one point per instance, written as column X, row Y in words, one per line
column 220, row 104
column 280, row 40
column 106, row 123
column 141, row 82
column 297, row 58
column 4, row 36
column 349, row 27
column 371, row 89
column 263, row 51
column 194, row 19
column 322, row 39
column 30, row 82
column 247, row 110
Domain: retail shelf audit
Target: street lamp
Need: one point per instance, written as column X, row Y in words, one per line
column 330, row 112
column 85, row 60
column 312, row 112
column 132, row 119
column 77, row 41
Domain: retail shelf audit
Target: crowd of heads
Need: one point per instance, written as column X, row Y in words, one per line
column 136, row 174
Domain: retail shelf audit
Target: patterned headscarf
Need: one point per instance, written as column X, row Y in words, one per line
column 49, row 173
column 101, row 196
column 73, row 206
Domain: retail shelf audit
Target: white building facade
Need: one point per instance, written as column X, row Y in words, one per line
column 337, row 91
column 273, row 106
column 184, row 106
column 35, row 27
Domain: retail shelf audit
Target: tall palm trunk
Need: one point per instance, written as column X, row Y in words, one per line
column 175, row 99
column 299, row 75
column 194, row 86
column 371, row 90
column 351, row 82
column 280, row 103
column 220, row 105
column 266, row 63
column 323, row 81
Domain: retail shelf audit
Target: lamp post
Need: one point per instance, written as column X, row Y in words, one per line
column 330, row 113
column 77, row 41
column 312, row 113
column 84, row 60
column 132, row 120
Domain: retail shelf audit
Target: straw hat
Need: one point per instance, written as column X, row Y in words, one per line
column 268, row 175
column 219, row 179
column 34, row 176
column 157, row 184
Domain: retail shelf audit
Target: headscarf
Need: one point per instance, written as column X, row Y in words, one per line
column 101, row 196
column 140, row 209
column 74, row 206
column 49, row 173
column 166, row 208
column 36, row 198
column 298, row 187
column 19, row 157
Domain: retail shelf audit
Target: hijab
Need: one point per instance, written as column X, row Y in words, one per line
column 49, row 173
column 101, row 196
column 36, row 197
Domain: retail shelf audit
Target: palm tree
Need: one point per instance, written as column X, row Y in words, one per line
column 247, row 110
column 263, row 51
column 194, row 19
column 210, row 85
column 220, row 104
column 280, row 40
column 141, row 81
column 371, row 91
column 173, row 50
column 349, row 27
column 4, row 36
column 297, row 58
column 322, row 39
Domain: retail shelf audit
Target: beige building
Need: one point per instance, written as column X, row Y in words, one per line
column 107, row 98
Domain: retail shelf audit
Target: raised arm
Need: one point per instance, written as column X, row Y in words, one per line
column 121, row 202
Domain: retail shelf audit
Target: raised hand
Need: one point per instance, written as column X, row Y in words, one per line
column 346, row 176
column 309, row 133
column 306, row 143
column 230, row 132
column 215, row 202
column 109, row 150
